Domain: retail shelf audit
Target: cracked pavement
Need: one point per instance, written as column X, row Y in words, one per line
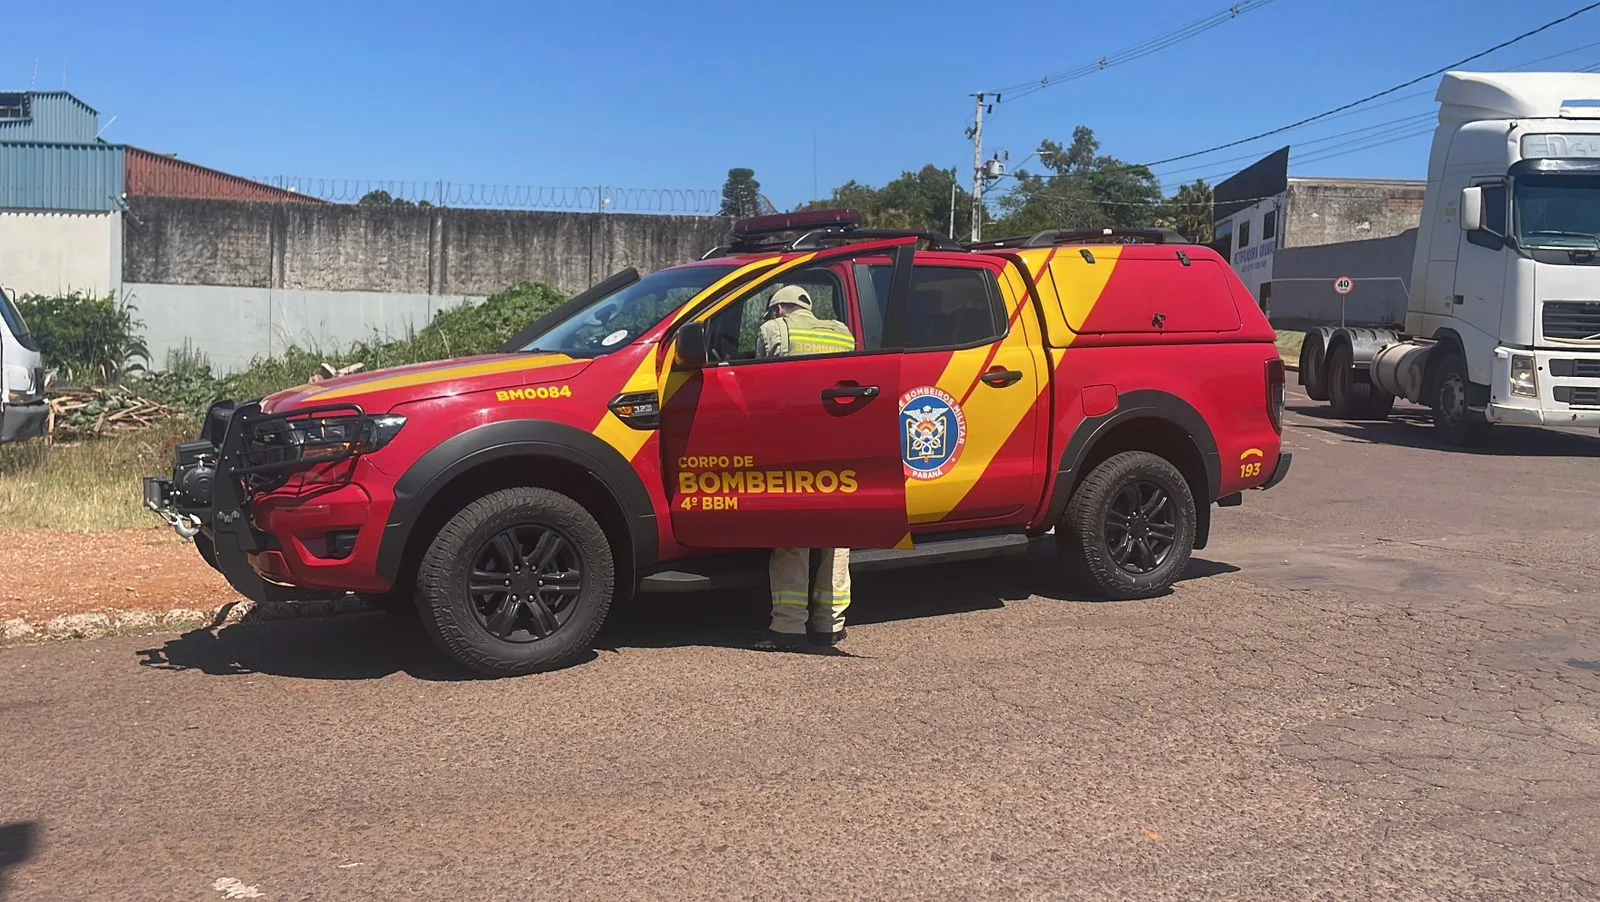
column 1378, row 682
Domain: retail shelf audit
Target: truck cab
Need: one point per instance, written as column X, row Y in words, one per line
column 1503, row 310
column 1508, row 252
column 23, row 411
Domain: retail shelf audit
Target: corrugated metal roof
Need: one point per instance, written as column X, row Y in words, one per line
column 68, row 177
column 155, row 175
column 55, row 117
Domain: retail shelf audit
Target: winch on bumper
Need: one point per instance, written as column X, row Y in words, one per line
column 242, row 455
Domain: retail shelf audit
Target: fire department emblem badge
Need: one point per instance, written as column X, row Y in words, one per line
column 933, row 430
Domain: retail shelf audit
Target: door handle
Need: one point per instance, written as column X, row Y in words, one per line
column 999, row 378
column 849, row 391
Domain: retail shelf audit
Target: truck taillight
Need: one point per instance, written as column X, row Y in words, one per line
column 1276, row 393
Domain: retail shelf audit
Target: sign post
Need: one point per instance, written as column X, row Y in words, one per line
column 1342, row 286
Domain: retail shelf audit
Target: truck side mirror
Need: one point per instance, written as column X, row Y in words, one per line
column 1471, row 209
column 692, row 350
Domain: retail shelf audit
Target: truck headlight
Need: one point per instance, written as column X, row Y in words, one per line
column 1524, row 378
column 337, row 437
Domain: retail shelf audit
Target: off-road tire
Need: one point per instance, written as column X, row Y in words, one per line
column 443, row 577
column 1448, row 402
column 1082, row 537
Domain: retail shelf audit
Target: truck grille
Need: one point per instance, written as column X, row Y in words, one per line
column 1578, row 369
column 1572, row 320
column 1577, row 397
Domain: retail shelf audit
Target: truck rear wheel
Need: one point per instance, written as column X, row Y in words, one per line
column 1129, row 529
column 1449, row 403
column 1313, row 372
column 518, row 582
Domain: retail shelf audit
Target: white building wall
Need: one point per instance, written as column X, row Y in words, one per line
column 55, row 253
column 233, row 325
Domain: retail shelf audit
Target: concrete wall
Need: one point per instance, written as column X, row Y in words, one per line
column 388, row 249
column 241, row 279
column 1323, row 211
column 233, row 325
column 1302, row 283
column 54, row 253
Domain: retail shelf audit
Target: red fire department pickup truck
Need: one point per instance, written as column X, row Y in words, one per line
column 1112, row 386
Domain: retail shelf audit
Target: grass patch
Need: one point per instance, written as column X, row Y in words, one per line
column 91, row 486
column 1289, row 343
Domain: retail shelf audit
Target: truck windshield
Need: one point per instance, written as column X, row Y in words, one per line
column 1559, row 211
column 615, row 320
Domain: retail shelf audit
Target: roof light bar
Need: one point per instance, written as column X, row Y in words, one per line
column 790, row 222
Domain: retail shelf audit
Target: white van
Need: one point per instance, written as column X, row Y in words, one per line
column 23, row 412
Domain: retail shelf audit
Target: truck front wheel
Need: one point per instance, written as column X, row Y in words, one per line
column 518, row 582
column 1129, row 529
column 1449, row 403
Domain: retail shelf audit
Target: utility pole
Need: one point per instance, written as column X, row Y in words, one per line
column 977, row 165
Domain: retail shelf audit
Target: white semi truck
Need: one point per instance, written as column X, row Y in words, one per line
column 1503, row 313
column 23, row 410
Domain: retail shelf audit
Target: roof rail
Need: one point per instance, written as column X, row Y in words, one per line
column 1054, row 237
column 816, row 239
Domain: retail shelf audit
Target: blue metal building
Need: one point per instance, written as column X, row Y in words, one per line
column 51, row 157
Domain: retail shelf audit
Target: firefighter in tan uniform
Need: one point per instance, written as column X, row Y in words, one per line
column 805, row 581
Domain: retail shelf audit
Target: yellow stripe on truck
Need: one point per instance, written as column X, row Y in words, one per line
column 443, row 374
column 618, row 434
column 992, row 416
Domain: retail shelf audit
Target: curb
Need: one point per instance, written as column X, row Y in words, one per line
column 99, row 624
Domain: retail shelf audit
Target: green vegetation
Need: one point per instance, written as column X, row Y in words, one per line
column 87, row 340
column 93, row 485
column 85, row 487
column 188, row 383
column 1079, row 187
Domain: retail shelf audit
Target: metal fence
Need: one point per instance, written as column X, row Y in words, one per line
column 445, row 193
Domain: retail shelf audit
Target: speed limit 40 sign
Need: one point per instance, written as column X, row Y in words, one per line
column 1343, row 285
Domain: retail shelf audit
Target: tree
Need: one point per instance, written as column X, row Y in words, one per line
column 741, row 193
column 1190, row 212
column 1081, row 189
column 381, row 198
column 918, row 201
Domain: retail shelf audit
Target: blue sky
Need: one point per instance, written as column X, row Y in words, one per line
column 670, row 95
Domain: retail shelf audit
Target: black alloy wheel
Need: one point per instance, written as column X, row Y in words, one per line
column 1129, row 528
column 526, row 581
column 1141, row 529
column 518, row 582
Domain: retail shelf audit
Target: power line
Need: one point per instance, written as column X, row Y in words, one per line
column 1339, row 109
column 1391, row 101
column 1407, row 120
column 1137, row 51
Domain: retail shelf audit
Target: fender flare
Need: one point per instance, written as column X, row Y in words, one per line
column 1138, row 404
column 482, row 445
column 1446, row 339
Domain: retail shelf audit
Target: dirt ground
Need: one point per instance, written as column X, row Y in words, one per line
column 150, row 569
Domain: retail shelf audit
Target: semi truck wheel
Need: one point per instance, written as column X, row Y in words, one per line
column 1345, row 397
column 1313, row 374
column 1449, row 404
column 518, row 582
column 1129, row 529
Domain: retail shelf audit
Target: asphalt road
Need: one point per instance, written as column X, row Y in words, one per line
column 1379, row 682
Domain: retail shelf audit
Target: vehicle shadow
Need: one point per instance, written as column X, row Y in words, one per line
column 734, row 619
column 1414, row 429
column 370, row 645
column 18, row 842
